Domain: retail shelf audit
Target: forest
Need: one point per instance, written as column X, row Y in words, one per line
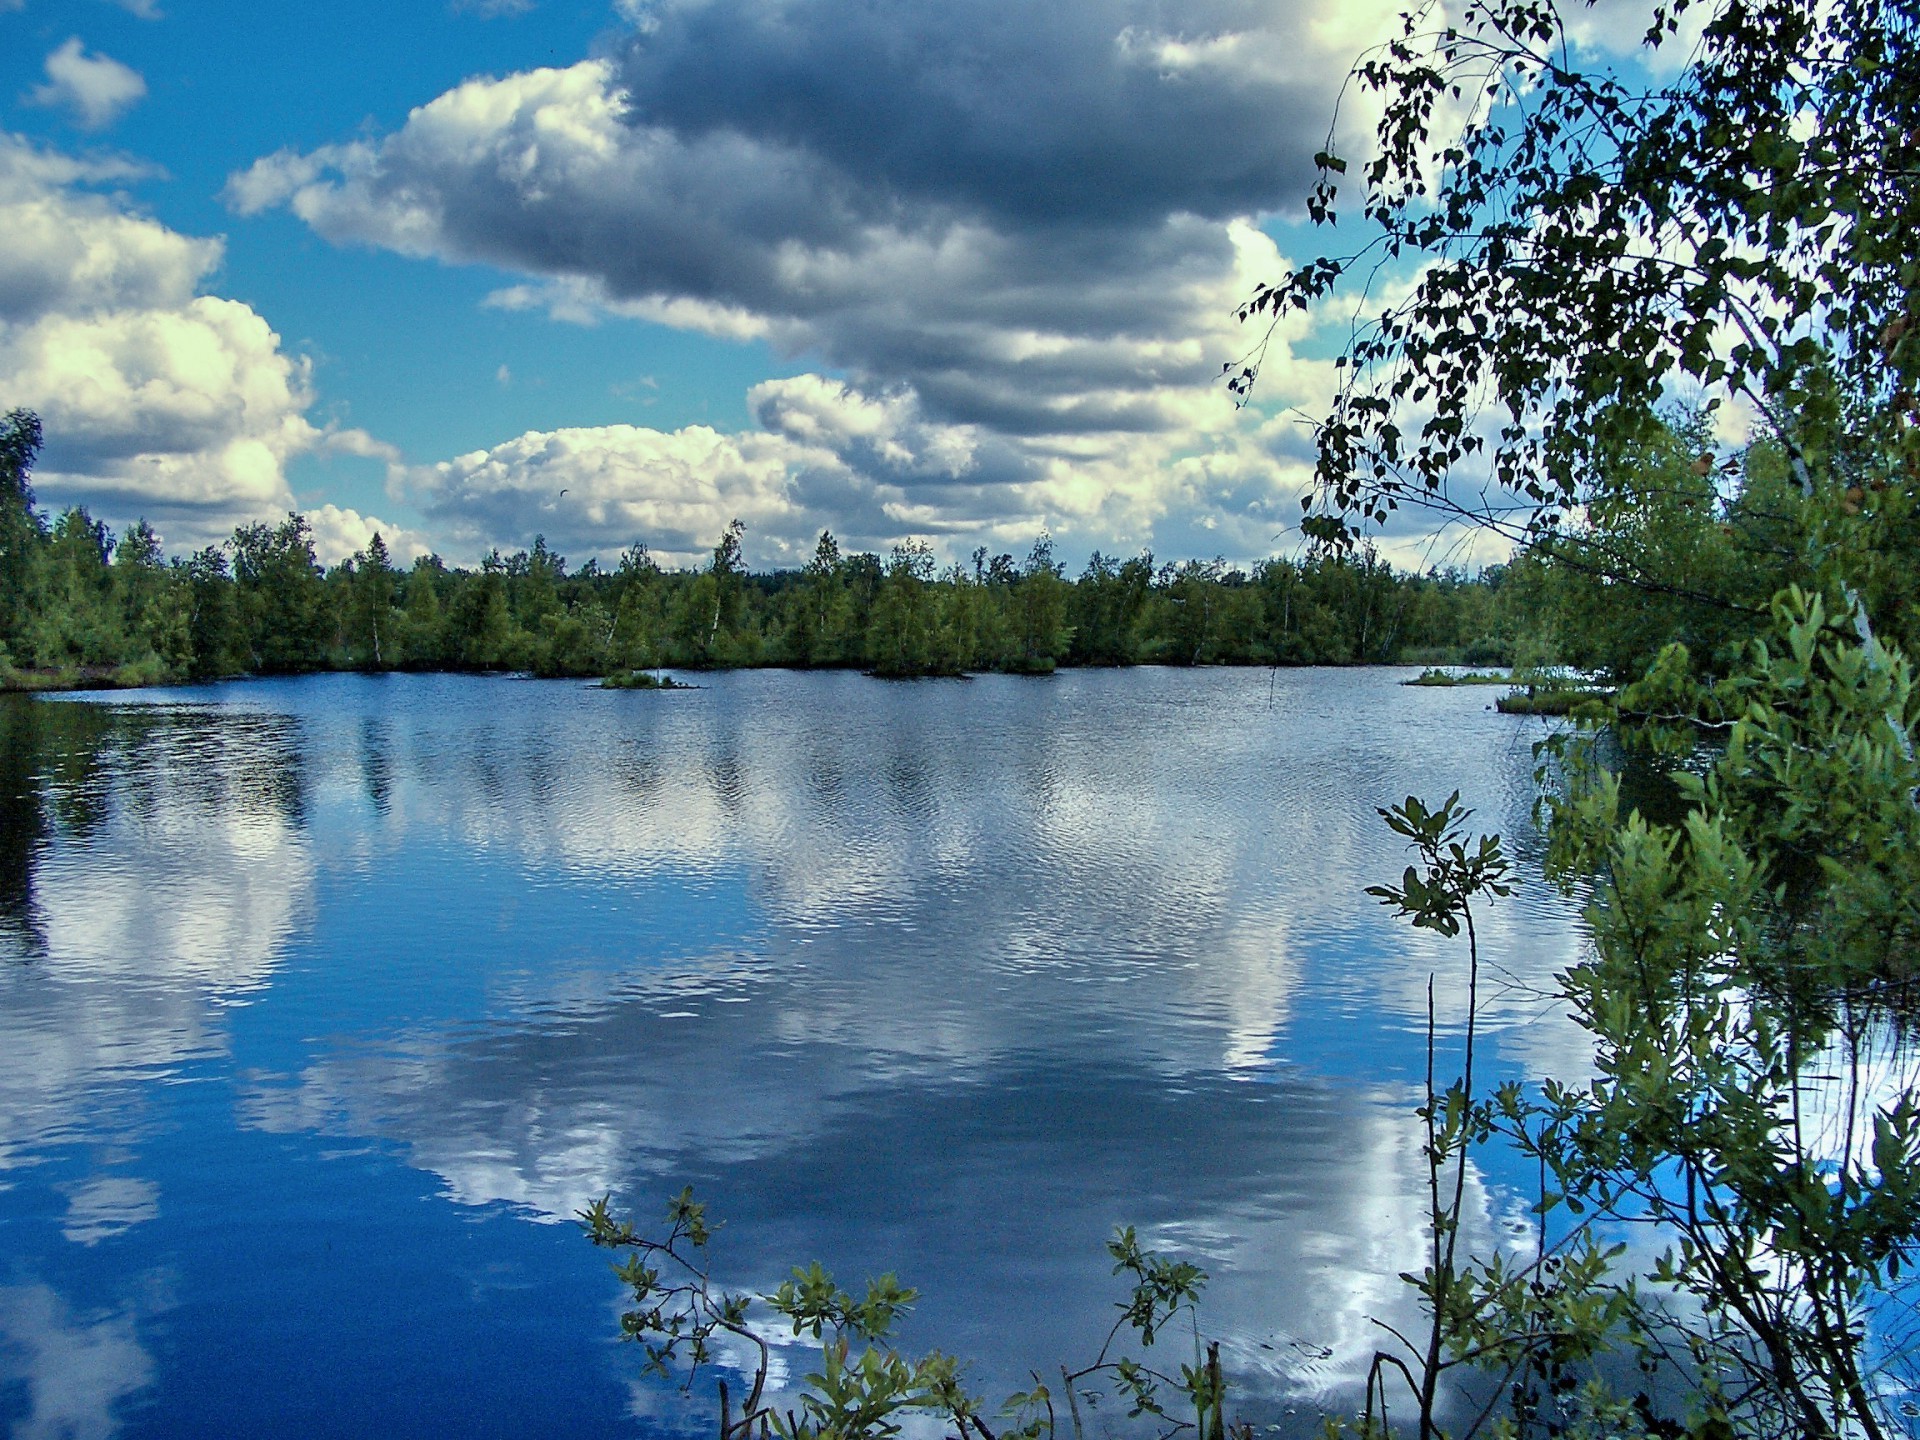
column 1677, row 544
column 79, row 604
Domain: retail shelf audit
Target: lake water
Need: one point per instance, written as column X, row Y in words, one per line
column 324, row 1003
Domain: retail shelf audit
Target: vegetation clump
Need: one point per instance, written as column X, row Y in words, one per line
column 641, row 680
column 865, row 1388
column 1445, row 678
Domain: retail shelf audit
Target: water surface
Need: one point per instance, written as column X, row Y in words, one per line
column 324, row 1003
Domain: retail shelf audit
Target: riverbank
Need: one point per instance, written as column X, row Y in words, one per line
column 83, row 677
column 150, row 673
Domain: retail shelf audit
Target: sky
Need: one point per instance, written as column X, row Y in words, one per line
column 468, row 271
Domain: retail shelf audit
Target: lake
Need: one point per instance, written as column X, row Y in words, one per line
column 324, row 1003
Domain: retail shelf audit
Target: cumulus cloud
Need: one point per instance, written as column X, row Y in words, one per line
column 1035, row 331
column 871, row 467
column 676, row 489
column 194, row 404
column 158, row 400
column 1020, row 229
column 340, row 532
column 1107, row 113
column 94, row 89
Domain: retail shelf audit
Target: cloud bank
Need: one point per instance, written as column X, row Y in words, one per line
column 1021, row 228
column 158, row 400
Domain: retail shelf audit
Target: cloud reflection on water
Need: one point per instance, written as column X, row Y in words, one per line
column 1001, row 968
column 76, row 1369
column 174, row 872
column 942, row 978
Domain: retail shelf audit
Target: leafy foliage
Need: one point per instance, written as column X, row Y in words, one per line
column 865, row 1389
column 1586, row 243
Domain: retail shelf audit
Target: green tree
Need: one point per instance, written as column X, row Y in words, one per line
column 282, row 601
column 640, row 615
column 1585, row 244
column 820, row 609
column 903, row 635
column 1588, row 242
column 1108, row 601
column 371, row 621
column 155, row 607
column 1188, row 596
column 219, row 639
column 479, row 628
column 422, row 626
column 76, row 621
column 1041, row 633
column 707, row 617
column 533, row 584
column 22, row 533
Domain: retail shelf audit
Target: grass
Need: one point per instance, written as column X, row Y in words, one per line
column 1432, row 676
column 1547, row 700
column 85, row 677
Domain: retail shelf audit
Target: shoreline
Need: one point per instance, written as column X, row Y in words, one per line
column 80, row 678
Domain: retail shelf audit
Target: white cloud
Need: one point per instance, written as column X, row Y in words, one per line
column 338, row 533
column 192, row 407
column 1007, row 356
column 677, row 490
column 875, row 469
column 158, row 400
column 95, row 89
column 79, row 253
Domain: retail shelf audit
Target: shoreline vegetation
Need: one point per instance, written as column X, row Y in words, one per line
column 1553, row 691
column 82, row 608
column 643, row 680
column 1438, row 678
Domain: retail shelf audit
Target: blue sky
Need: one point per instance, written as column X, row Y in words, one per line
column 469, row 271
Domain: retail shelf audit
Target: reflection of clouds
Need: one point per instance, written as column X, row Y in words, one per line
column 942, row 978
column 184, row 898
column 75, row 1369
column 1017, row 938
column 549, row 1116
column 108, row 1205
column 1155, row 878
column 1188, row 836
column 1865, row 1069
column 991, row 1195
column 168, row 903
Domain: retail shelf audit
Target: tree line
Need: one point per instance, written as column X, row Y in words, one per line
column 79, row 603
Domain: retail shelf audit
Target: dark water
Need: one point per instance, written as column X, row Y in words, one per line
column 324, row 1003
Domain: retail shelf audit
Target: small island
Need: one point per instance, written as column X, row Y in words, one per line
column 642, row 680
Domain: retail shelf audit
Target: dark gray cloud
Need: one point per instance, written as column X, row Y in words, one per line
column 1105, row 113
column 1029, row 224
